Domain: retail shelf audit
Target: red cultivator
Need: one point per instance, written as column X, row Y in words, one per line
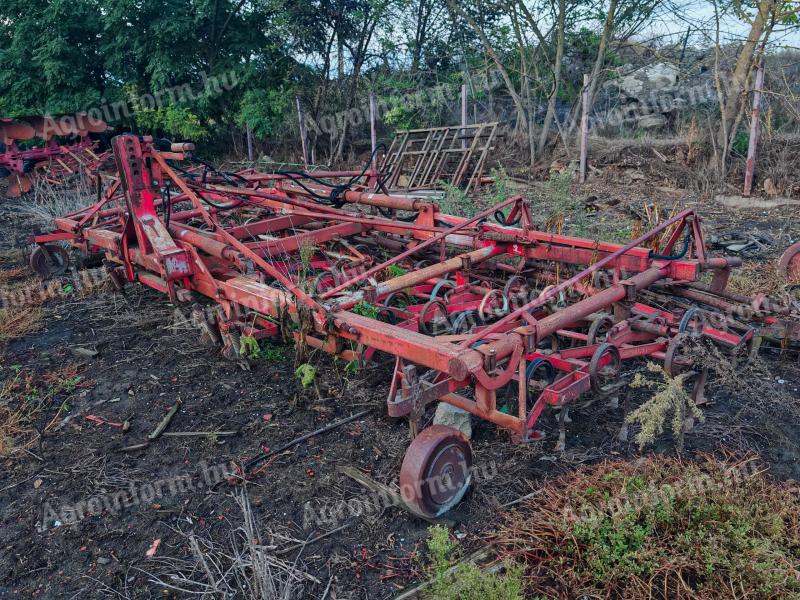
column 52, row 160
column 494, row 317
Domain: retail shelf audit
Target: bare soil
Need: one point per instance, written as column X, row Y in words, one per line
column 144, row 364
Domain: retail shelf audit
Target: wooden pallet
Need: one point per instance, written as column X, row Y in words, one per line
column 424, row 158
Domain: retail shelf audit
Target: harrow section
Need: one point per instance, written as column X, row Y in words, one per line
column 65, row 149
column 488, row 313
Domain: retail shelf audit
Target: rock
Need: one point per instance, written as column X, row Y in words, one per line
column 648, row 79
column 447, row 414
column 654, row 121
column 103, row 560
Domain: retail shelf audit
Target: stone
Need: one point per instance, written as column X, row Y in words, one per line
column 452, row 416
column 654, row 121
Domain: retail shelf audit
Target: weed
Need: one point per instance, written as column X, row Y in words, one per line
column 306, row 373
column 395, row 271
column 501, row 189
column 565, row 206
column 465, row 580
column 7, row 275
column 250, row 348
column 687, row 529
column 670, row 397
column 456, row 201
column 365, row 309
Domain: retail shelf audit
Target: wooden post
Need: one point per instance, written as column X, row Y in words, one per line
column 755, row 129
column 373, row 129
column 249, row 144
column 463, row 115
column 302, row 131
column 584, row 129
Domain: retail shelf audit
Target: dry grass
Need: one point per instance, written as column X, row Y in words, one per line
column 47, row 201
column 19, row 322
column 756, row 277
column 25, row 396
column 7, row 275
column 246, row 567
column 662, row 528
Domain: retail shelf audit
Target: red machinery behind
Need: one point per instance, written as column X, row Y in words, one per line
column 498, row 318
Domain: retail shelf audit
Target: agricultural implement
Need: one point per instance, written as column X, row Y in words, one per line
column 488, row 313
column 66, row 149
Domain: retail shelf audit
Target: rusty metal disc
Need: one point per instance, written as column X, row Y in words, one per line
column 789, row 263
column 436, row 470
column 50, row 260
column 676, row 360
column 19, row 185
column 605, row 370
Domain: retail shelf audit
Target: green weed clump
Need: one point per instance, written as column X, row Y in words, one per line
column 704, row 530
column 453, row 580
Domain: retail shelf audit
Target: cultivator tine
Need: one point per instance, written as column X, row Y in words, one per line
column 478, row 314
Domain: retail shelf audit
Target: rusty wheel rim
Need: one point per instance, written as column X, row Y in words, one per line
column 436, row 471
column 789, row 263
column 51, row 263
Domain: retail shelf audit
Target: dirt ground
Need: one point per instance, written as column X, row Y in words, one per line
column 129, row 358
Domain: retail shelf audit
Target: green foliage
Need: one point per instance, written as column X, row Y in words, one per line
column 501, row 188
column 395, row 271
column 670, row 397
column 682, row 527
column 263, row 110
column 306, row 374
column 741, row 142
column 456, row 201
column 565, row 206
column 365, row 309
column 249, row 347
column 466, row 581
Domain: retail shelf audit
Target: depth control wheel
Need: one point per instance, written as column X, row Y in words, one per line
column 436, row 471
column 50, row 260
column 789, row 263
column 605, row 370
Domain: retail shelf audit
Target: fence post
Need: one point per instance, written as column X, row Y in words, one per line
column 463, row 115
column 755, row 129
column 584, row 129
column 302, row 131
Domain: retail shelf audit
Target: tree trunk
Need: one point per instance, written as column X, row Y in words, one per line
column 551, row 102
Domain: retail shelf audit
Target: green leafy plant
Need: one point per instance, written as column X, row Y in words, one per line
column 501, row 189
column 249, row 347
column 365, row 309
column 306, row 373
column 453, row 580
column 396, row 271
column 456, row 201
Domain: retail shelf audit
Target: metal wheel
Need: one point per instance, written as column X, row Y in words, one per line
column 605, row 370
column 598, row 330
column 433, row 318
column 789, row 263
column 676, row 359
column 50, row 260
column 692, row 322
column 493, row 305
column 465, row 322
column 436, row 470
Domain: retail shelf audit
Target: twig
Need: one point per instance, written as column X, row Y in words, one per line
column 397, row 499
column 164, row 422
column 265, row 455
column 311, row 541
column 199, row 433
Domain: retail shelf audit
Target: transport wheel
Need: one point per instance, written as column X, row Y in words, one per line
column 20, row 184
column 605, row 370
column 50, row 260
column 436, row 471
column 789, row 263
